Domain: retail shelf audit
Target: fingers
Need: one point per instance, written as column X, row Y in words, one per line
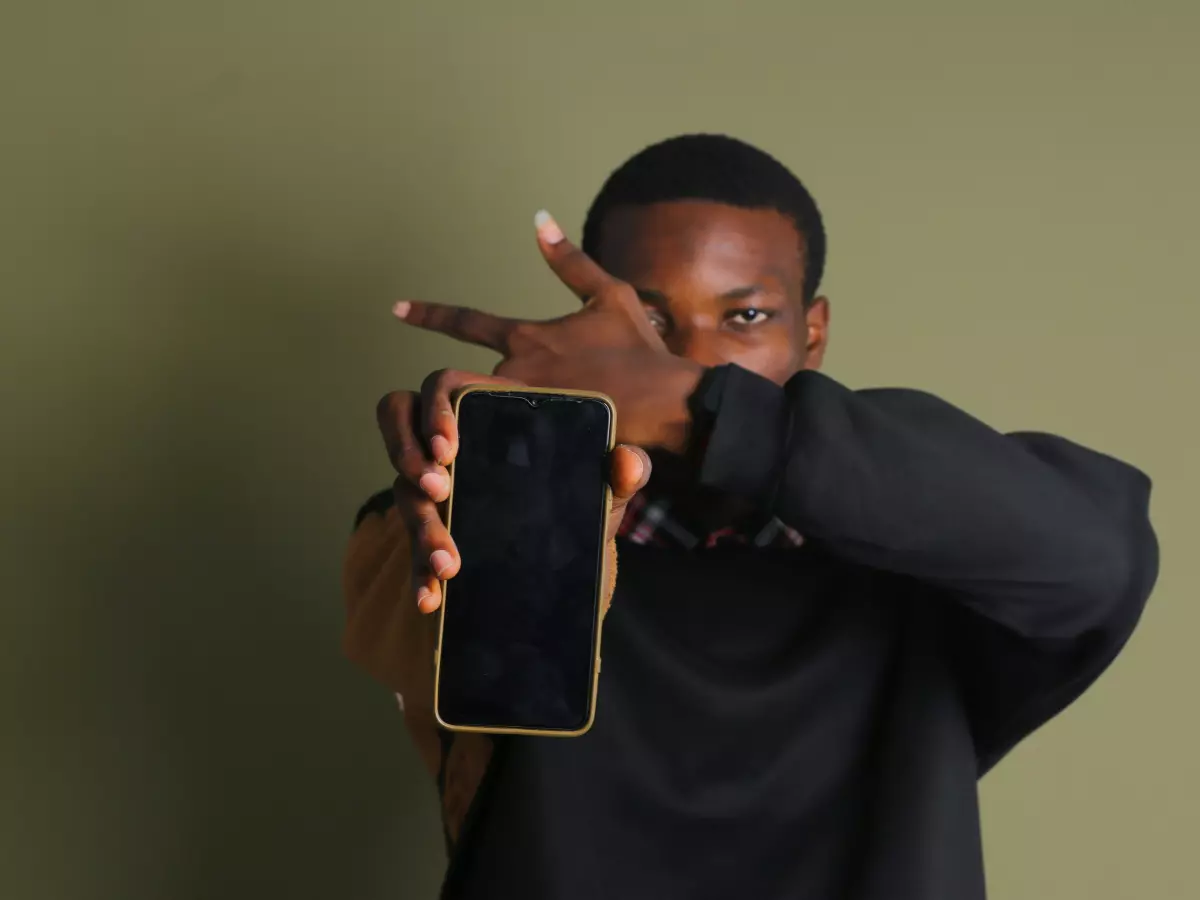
column 421, row 437
column 630, row 471
column 439, row 428
column 575, row 269
column 434, row 554
column 628, row 474
column 397, row 416
column 419, row 487
column 459, row 322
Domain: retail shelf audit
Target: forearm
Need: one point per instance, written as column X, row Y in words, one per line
column 659, row 417
column 1034, row 531
column 384, row 633
column 387, row 636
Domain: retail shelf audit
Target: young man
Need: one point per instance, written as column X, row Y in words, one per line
column 835, row 611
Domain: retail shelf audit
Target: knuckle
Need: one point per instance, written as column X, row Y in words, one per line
column 392, row 405
column 427, row 514
column 436, row 379
column 618, row 293
column 409, row 460
column 430, row 535
column 523, row 336
column 422, row 519
column 406, row 504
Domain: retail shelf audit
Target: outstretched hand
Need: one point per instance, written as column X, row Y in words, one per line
column 609, row 345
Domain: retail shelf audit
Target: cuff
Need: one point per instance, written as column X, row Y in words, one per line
column 748, row 438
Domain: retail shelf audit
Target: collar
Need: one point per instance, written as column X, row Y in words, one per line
column 650, row 521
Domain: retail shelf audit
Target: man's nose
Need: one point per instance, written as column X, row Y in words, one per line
column 698, row 345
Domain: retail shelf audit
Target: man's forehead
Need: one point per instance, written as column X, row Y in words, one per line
column 642, row 240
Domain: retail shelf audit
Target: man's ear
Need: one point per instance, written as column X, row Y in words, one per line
column 816, row 318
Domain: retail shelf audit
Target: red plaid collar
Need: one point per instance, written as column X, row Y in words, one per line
column 650, row 521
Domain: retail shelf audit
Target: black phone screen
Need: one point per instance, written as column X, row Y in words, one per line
column 520, row 619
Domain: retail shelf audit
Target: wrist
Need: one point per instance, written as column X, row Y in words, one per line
column 677, row 421
column 662, row 417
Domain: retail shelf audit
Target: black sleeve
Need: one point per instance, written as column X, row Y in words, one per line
column 1044, row 546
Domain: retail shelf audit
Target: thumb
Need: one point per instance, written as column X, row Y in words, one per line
column 629, row 473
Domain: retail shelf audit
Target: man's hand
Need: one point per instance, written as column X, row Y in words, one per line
column 421, row 436
column 610, row 345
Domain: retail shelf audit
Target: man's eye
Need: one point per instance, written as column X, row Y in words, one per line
column 751, row 316
column 657, row 319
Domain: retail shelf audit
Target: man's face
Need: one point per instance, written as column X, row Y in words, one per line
column 721, row 284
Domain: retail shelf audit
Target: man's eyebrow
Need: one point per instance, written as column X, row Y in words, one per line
column 648, row 296
column 741, row 293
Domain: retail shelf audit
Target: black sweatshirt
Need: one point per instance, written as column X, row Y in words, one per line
column 811, row 723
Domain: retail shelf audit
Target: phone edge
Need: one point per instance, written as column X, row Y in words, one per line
column 601, row 581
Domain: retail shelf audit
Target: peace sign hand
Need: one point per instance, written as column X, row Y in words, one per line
column 609, row 345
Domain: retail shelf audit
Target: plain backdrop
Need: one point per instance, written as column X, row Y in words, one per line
column 206, row 211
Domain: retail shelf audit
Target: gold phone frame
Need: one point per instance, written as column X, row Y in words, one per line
column 601, row 569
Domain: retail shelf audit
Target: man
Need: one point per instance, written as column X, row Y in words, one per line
column 835, row 610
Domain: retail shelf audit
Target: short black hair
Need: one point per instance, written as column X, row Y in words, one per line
column 719, row 169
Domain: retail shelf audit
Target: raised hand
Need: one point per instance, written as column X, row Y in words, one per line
column 608, row 345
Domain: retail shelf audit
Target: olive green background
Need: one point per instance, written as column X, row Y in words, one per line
column 206, row 210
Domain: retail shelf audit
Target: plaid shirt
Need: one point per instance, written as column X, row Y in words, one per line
column 649, row 521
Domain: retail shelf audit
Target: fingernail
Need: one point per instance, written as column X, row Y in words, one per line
column 641, row 463
column 423, row 594
column 440, row 561
column 400, row 310
column 441, row 449
column 433, row 484
column 547, row 228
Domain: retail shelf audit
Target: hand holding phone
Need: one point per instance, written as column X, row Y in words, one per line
column 422, row 438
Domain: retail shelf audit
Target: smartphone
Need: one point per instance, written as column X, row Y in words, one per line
column 519, row 640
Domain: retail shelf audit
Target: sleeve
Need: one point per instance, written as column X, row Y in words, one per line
column 384, row 633
column 1043, row 548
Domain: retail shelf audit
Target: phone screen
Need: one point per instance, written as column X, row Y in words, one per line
column 520, row 619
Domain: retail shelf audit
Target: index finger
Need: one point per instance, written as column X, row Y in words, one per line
column 578, row 271
column 462, row 323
